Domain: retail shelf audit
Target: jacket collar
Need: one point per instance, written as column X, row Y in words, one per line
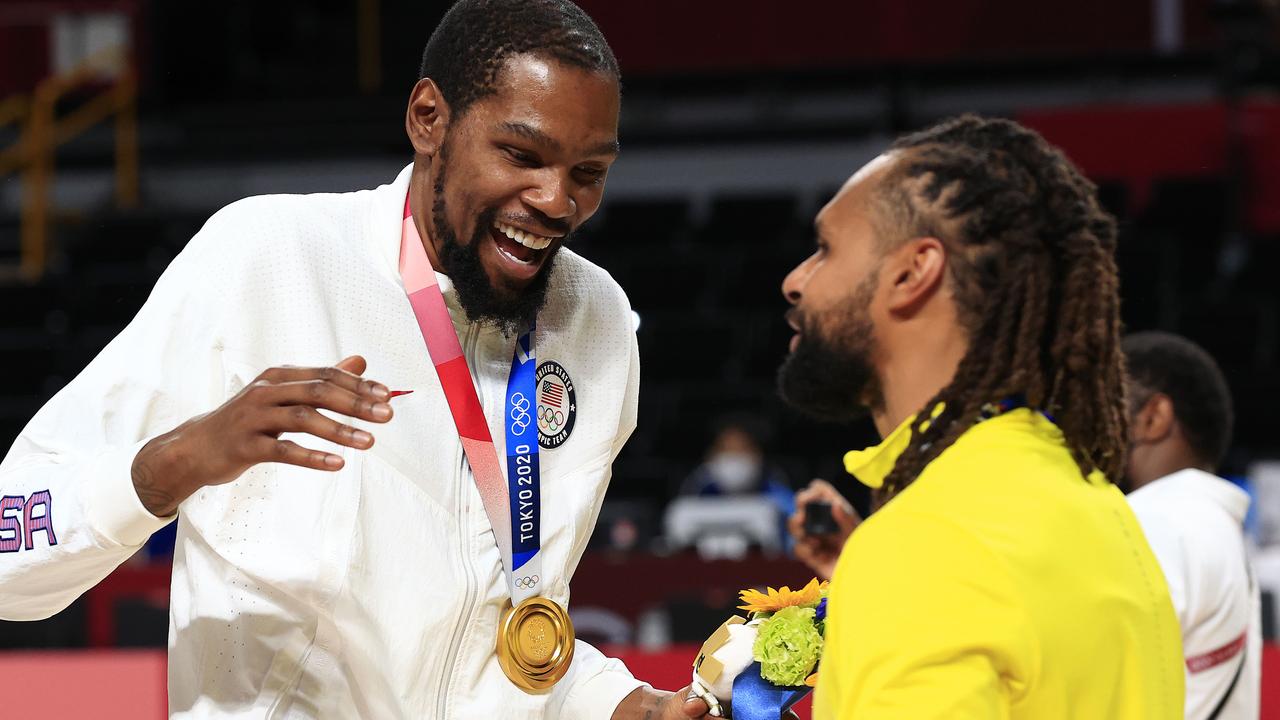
column 872, row 465
column 1222, row 493
column 383, row 228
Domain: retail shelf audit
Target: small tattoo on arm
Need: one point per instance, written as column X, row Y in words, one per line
column 157, row 500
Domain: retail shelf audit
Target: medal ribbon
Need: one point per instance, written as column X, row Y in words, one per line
column 513, row 503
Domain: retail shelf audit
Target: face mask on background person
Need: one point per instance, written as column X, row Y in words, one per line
column 734, row 472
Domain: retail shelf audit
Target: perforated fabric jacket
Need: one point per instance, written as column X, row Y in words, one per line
column 370, row 592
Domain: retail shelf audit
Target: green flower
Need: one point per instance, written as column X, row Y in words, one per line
column 788, row 646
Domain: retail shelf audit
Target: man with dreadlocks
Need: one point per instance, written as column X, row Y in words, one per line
column 318, row 574
column 964, row 293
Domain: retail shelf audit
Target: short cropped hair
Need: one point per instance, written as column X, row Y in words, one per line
column 1172, row 365
column 476, row 37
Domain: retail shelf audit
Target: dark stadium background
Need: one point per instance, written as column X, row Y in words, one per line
column 740, row 118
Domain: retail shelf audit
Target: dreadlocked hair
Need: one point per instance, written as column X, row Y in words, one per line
column 1032, row 268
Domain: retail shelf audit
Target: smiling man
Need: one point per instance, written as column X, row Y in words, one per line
column 318, row 573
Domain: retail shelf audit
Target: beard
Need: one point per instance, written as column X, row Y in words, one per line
column 832, row 377
column 509, row 309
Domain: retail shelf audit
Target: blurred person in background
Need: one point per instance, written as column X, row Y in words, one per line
column 317, row 574
column 964, row 293
column 735, row 499
column 1180, row 425
column 736, row 465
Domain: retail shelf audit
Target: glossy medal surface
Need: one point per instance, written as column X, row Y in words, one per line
column 535, row 643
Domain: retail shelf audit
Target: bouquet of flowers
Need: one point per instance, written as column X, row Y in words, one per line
column 765, row 663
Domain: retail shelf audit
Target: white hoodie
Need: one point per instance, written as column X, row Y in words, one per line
column 370, row 592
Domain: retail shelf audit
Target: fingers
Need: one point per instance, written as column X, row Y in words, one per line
column 841, row 509
column 815, row 491
column 317, row 393
column 695, row 707
column 806, row 551
column 690, row 701
column 795, row 523
column 845, row 516
column 353, row 364
column 813, row 552
column 290, row 453
column 338, row 375
column 819, row 490
column 303, row 419
column 819, row 554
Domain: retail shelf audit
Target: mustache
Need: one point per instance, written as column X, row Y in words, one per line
column 796, row 320
column 537, row 219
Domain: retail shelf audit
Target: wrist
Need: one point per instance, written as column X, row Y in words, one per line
column 643, row 703
column 159, row 487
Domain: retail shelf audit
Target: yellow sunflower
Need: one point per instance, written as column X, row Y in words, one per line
column 756, row 601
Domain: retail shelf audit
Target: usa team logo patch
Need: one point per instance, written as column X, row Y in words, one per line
column 557, row 405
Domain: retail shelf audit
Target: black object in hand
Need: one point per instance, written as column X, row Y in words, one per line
column 818, row 519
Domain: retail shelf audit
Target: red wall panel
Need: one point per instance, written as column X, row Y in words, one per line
column 24, row 58
column 674, row 35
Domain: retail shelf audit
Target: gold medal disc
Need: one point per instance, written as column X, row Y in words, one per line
column 535, row 643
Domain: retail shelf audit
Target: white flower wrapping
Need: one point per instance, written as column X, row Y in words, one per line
column 722, row 659
column 791, row 620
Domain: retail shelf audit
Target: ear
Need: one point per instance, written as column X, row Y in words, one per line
column 427, row 118
column 1155, row 421
column 916, row 271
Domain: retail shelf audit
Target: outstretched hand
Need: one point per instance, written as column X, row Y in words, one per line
column 219, row 446
column 648, row 704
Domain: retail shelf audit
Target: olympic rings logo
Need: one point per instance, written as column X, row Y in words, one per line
column 550, row 419
column 519, row 414
column 527, row 582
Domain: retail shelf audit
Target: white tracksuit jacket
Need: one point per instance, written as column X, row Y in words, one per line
column 1194, row 522
column 371, row 592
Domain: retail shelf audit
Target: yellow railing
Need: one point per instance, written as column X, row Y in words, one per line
column 43, row 132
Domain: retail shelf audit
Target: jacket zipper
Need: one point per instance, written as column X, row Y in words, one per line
column 464, row 526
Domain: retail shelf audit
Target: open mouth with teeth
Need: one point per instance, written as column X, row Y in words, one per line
column 521, row 251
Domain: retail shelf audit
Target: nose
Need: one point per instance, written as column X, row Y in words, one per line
column 793, row 284
column 551, row 196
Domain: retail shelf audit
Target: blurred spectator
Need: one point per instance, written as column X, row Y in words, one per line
column 735, row 498
column 736, row 465
column 1180, row 426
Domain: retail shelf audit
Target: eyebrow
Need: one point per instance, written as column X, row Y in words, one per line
column 533, row 134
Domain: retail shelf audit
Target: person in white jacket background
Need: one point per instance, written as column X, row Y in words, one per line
column 318, row 572
column 1180, row 423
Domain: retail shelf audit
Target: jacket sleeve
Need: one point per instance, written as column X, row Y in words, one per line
column 923, row 622
column 593, row 687
column 69, row 514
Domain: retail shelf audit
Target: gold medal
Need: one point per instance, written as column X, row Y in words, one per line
column 535, row 643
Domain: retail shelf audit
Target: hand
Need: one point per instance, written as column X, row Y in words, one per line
column 820, row 552
column 219, row 446
column 648, row 704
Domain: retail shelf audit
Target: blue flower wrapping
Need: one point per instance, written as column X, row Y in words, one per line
column 755, row 698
